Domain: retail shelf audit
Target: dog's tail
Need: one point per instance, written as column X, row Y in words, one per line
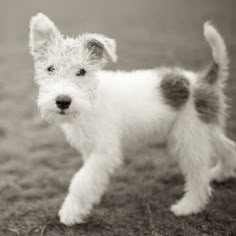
column 217, row 72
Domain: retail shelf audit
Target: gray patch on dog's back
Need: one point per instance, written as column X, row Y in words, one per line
column 211, row 73
column 175, row 89
column 207, row 104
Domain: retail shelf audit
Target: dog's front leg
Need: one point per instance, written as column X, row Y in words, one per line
column 88, row 185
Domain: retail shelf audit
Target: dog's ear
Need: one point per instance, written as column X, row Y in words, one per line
column 43, row 33
column 101, row 48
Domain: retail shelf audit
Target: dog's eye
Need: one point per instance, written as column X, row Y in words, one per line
column 81, row 72
column 51, row 68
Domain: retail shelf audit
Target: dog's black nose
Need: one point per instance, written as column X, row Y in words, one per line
column 63, row 102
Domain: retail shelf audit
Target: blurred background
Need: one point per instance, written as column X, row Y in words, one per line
column 36, row 163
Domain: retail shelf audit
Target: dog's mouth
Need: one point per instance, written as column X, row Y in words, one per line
column 66, row 113
column 62, row 112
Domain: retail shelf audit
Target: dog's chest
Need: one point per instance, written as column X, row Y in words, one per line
column 79, row 137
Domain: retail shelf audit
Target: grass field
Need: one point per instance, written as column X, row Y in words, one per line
column 36, row 163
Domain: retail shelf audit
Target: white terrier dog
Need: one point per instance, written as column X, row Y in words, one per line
column 103, row 112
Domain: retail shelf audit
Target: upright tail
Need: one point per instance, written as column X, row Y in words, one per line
column 217, row 73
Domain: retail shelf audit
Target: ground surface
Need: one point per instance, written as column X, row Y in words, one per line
column 36, row 163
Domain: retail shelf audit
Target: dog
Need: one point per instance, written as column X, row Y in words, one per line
column 102, row 113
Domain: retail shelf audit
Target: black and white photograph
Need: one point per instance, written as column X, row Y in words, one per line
column 118, row 118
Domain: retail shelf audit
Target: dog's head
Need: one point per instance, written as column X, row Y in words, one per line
column 65, row 68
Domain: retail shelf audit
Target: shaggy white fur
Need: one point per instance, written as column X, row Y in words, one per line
column 103, row 112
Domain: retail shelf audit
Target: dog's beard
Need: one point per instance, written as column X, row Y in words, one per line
column 59, row 117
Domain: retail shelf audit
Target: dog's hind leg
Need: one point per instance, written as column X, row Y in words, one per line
column 225, row 150
column 190, row 144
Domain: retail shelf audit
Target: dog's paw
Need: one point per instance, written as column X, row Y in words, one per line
column 184, row 208
column 70, row 212
column 220, row 175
